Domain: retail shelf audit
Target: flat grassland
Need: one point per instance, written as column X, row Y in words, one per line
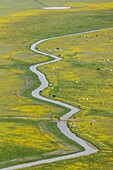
column 82, row 78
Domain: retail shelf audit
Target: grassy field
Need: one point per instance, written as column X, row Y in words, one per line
column 83, row 79
column 21, row 115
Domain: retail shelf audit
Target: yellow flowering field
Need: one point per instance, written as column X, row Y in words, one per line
column 23, row 118
column 19, row 137
column 15, row 105
column 15, row 17
column 28, row 136
column 94, row 49
column 84, row 79
column 29, row 139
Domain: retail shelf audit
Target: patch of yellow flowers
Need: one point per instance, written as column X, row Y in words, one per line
column 33, row 110
column 85, row 53
column 29, row 136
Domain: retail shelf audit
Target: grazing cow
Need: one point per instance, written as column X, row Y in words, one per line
column 75, row 53
column 98, row 68
column 59, row 119
column 74, row 125
column 57, row 48
column 53, row 95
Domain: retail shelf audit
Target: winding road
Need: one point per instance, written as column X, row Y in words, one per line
column 62, row 125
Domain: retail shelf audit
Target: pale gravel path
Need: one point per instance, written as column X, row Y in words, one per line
column 62, row 125
column 56, row 8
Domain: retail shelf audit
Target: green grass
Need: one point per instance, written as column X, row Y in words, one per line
column 17, row 33
column 91, row 162
column 10, row 151
column 94, row 84
column 64, row 2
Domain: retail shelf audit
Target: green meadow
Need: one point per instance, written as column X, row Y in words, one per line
column 83, row 78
